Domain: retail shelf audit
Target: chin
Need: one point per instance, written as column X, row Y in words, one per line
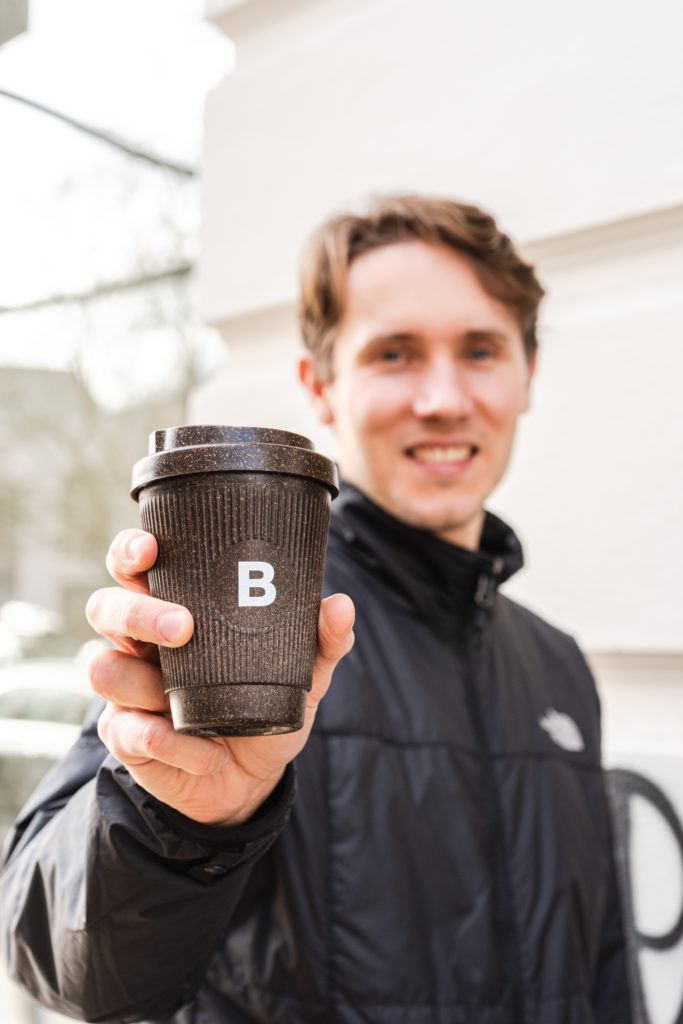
column 439, row 517
column 430, row 517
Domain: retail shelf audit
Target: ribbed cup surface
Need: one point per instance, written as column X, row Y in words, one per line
column 228, row 541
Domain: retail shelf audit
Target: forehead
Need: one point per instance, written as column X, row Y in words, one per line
column 417, row 286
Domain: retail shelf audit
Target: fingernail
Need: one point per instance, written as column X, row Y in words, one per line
column 172, row 625
column 134, row 548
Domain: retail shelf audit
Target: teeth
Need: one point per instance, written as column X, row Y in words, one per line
column 439, row 453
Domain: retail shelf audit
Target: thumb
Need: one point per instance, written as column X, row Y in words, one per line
column 335, row 628
column 335, row 639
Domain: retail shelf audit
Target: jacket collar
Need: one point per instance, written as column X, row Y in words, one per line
column 427, row 574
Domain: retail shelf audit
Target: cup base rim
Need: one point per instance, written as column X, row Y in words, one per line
column 238, row 709
column 236, row 728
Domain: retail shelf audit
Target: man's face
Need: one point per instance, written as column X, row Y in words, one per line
column 429, row 377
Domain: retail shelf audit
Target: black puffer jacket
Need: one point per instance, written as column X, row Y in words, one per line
column 447, row 859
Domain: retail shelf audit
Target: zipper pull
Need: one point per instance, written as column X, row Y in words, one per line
column 485, row 594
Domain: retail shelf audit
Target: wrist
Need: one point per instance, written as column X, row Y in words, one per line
column 265, row 823
column 252, row 801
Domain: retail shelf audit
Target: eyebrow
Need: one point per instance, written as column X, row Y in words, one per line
column 479, row 334
column 378, row 339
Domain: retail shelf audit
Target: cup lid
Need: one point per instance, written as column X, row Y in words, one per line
column 212, row 448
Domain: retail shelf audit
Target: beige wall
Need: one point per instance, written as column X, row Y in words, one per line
column 559, row 116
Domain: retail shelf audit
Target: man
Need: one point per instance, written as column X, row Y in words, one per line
column 445, row 854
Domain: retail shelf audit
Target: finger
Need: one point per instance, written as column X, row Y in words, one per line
column 138, row 738
column 138, row 648
column 131, row 554
column 335, row 639
column 119, row 615
column 127, row 681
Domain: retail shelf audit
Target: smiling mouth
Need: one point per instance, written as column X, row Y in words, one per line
column 440, row 454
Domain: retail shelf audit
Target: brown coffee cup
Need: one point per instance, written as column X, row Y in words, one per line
column 241, row 518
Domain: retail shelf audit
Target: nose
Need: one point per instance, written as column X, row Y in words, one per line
column 442, row 391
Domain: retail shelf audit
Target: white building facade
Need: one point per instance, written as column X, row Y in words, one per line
column 564, row 121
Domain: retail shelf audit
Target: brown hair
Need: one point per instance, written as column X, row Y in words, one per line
column 326, row 259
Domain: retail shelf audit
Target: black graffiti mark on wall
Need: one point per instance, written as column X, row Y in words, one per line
column 623, row 786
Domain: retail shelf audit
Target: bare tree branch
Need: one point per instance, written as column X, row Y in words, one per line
column 102, row 136
column 108, row 288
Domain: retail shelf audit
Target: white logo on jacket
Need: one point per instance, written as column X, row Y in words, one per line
column 562, row 729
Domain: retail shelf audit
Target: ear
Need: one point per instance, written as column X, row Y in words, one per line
column 531, row 363
column 317, row 388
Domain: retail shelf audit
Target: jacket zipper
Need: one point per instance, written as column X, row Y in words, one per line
column 484, row 600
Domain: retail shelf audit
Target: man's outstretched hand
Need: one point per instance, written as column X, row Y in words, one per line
column 217, row 780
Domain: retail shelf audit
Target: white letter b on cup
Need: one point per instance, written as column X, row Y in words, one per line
column 247, row 583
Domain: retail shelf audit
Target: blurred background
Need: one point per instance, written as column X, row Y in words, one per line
column 162, row 163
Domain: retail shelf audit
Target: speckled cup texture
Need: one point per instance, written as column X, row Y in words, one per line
column 241, row 518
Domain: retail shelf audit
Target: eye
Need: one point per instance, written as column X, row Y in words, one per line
column 392, row 355
column 481, row 352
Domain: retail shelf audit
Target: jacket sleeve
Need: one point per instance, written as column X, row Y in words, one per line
column 111, row 903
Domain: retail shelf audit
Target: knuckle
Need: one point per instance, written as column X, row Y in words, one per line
column 105, row 671
column 130, row 615
column 116, row 664
column 93, row 607
column 96, row 670
column 103, row 727
column 151, row 739
column 114, row 744
column 324, row 659
column 119, row 545
column 114, row 554
column 332, row 649
column 117, row 742
column 110, row 563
